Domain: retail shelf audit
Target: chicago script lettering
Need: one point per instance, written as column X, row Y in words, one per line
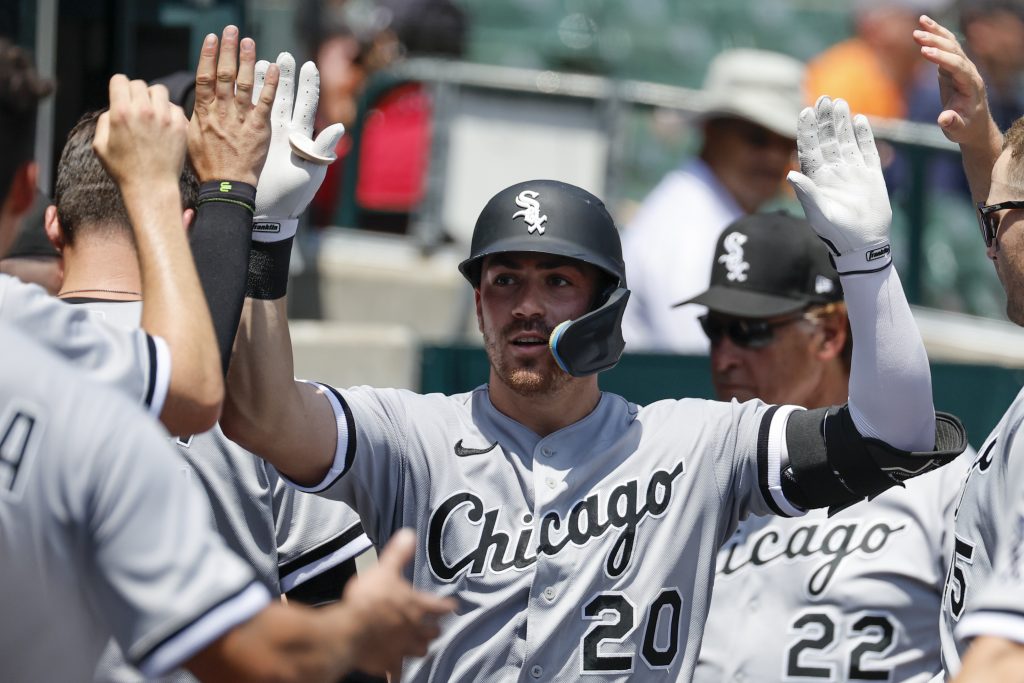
column 590, row 518
column 837, row 542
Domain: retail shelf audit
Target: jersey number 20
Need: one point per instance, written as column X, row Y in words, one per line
column 658, row 655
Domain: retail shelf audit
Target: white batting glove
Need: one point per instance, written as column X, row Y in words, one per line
column 296, row 164
column 841, row 186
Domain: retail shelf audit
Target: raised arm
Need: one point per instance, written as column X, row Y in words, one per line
column 965, row 117
column 141, row 142
column 289, row 423
column 888, row 431
column 229, row 134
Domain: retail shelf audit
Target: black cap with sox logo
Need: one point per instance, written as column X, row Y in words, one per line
column 769, row 264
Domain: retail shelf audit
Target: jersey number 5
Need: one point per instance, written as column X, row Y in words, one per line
column 963, row 555
column 658, row 653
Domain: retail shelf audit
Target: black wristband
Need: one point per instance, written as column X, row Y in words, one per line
column 268, row 269
column 230, row 191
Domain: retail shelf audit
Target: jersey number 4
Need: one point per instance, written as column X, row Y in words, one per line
column 662, row 618
column 15, row 437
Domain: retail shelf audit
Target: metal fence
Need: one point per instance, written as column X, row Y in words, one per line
column 612, row 108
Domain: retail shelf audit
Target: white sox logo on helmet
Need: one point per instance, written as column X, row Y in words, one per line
column 733, row 258
column 527, row 199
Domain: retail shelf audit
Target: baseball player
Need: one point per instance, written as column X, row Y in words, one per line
column 982, row 599
column 171, row 365
column 289, row 538
column 578, row 530
column 844, row 598
column 101, row 536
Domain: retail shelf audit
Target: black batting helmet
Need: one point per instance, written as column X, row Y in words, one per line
column 552, row 217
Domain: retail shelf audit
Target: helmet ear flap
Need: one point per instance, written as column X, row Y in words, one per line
column 593, row 342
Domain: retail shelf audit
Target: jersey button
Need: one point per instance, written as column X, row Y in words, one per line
column 536, row 671
column 547, row 452
column 549, row 593
column 551, row 483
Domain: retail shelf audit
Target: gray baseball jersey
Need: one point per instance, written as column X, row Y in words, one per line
column 587, row 553
column 286, row 536
column 131, row 360
column 985, row 526
column 99, row 535
column 844, row 598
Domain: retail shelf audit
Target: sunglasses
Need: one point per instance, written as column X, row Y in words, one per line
column 988, row 221
column 744, row 333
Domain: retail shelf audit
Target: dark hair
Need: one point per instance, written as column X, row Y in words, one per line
column 973, row 10
column 86, row 197
column 21, row 89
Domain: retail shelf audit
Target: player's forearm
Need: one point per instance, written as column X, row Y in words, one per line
column 979, row 158
column 266, row 410
column 992, row 660
column 890, row 381
column 280, row 645
column 220, row 240
column 174, row 308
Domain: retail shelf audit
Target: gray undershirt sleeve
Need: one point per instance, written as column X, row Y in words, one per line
column 890, row 381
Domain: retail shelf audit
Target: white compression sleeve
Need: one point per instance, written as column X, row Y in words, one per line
column 890, row 381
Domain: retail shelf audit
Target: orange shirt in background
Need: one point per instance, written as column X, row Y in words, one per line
column 852, row 71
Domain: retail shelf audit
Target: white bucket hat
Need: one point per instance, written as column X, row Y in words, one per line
column 759, row 86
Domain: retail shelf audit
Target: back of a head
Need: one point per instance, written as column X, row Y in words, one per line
column 21, row 89
column 87, row 198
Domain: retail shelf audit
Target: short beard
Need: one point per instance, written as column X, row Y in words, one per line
column 541, row 378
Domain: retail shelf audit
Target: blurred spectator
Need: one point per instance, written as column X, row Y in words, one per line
column 876, row 69
column 994, row 33
column 346, row 60
column 748, row 147
column 382, row 174
column 428, row 28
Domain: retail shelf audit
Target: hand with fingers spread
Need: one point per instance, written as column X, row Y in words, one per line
column 965, row 116
column 393, row 619
column 296, row 164
column 841, row 188
column 141, row 138
column 230, row 128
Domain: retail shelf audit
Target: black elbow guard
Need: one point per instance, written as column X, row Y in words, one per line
column 831, row 465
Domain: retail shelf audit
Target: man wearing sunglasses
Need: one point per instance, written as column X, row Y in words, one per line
column 852, row 594
column 982, row 624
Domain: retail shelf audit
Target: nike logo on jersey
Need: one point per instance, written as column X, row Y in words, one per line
column 833, row 542
column 462, row 517
column 463, row 452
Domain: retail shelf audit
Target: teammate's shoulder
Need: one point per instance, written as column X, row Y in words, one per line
column 706, row 405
